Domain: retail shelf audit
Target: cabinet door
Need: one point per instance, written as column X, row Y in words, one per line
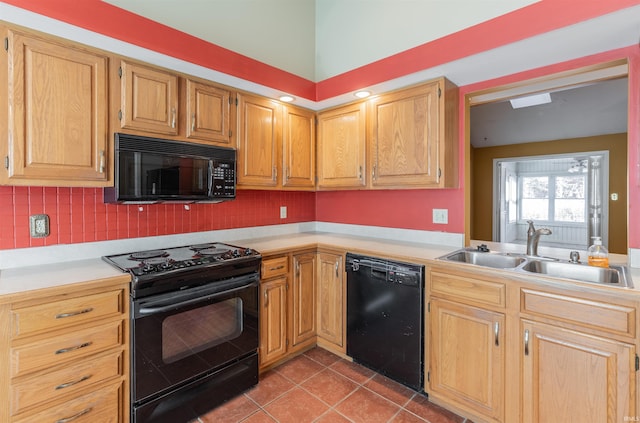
column 298, row 148
column 303, row 310
column 571, row 376
column 149, row 100
column 467, row 347
column 341, row 147
column 58, row 102
column 330, row 299
column 404, row 138
column 259, row 141
column 273, row 320
column 208, row 113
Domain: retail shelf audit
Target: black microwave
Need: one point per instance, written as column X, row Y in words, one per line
column 150, row 170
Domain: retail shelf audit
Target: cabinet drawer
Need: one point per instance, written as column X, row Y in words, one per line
column 466, row 288
column 275, row 267
column 599, row 315
column 100, row 406
column 68, row 380
column 64, row 347
column 58, row 314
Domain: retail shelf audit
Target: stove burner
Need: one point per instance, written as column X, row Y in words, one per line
column 199, row 247
column 213, row 251
column 160, row 262
column 145, row 255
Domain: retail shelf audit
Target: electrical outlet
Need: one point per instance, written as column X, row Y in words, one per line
column 39, row 225
column 441, row 216
column 283, row 212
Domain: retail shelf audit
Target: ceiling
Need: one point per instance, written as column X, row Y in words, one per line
column 587, row 110
column 320, row 51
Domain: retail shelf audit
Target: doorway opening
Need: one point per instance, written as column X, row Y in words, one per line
column 566, row 193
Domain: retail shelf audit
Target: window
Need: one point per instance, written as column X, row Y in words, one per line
column 553, row 198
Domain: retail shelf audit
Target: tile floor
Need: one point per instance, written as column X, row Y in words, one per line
column 321, row 387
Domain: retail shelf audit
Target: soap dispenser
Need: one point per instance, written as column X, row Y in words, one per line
column 598, row 254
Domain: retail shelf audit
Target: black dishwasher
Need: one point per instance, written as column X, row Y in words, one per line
column 385, row 317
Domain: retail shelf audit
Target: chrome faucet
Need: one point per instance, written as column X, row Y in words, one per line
column 533, row 237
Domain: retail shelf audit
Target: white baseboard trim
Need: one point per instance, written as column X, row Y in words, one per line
column 633, row 258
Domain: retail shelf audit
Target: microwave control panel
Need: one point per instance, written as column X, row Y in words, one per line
column 224, row 178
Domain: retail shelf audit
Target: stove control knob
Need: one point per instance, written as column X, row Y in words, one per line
column 236, row 253
column 248, row 251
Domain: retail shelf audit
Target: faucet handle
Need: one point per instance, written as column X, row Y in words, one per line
column 574, row 257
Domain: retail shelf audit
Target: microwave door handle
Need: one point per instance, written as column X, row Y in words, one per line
column 210, row 178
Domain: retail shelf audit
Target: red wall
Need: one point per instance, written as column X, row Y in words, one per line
column 79, row 215
column 407, row 209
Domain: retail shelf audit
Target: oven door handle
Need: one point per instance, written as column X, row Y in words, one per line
column 197, row 295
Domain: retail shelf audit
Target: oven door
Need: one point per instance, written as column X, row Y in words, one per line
column 179, row 336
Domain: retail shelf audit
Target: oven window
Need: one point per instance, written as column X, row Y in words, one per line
column 196, row 330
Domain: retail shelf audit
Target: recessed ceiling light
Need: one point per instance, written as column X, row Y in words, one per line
column 531, row 100
column 362, row 94
column 286, row 98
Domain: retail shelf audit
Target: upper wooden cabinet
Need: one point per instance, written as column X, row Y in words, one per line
column 149, row 99
column 403, row 148
column 275, row 144
column 55, row 95
column 207, row 112
column 259, row 141
column 342, row 147
column 411, row 140
column 298, row 148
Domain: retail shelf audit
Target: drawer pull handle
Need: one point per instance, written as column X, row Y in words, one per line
column 75, row 416
column 266, row 299
column 337, row 267
column 74, row 313
column 526, row 342
column 75, row 382
column 76, row 347
column 173, row 117
column 496, row 332
column 193, row 122
column 277, row 267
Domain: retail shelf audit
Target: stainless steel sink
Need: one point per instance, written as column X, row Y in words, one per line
column 487, row 259
column 613, row 275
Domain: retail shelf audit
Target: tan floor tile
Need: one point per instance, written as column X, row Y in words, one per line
column 353, row 371
column 332, row 417
column 322, row 356
column 421, row 406
column 231, row 412
column 390, row 389
column 296, row 406
column 406, row 417
column 329, row 386
column 271, row 385
column 299, row 369
column 259, row 417
column 364, row 406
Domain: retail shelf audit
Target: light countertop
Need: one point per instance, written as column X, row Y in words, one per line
column 18, row 280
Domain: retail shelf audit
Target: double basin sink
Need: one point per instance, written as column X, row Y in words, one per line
column 614, row 275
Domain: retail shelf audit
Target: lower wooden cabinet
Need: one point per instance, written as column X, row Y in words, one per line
column 331, row 304
column 64, row 354
column 504, row 349
column 273, row 320
column 287, row 306
column 467, row 357
column 570, row 376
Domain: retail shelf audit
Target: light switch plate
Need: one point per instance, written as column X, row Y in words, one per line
column 39, row 225
column 283, row 212
column 441, row 216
